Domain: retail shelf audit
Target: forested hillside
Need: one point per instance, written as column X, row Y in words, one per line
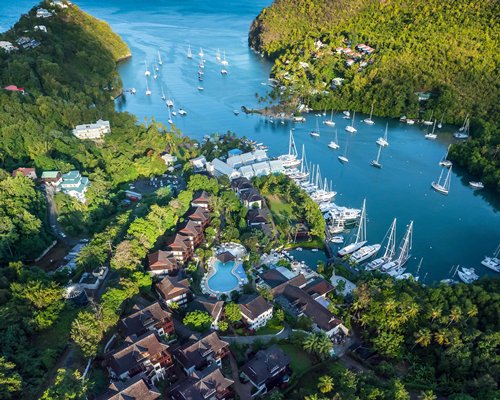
column 70, row 78
column 446, row 49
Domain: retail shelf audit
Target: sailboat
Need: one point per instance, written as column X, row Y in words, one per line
column 445, row 162
column 155, row 75
column 404, row 254
column 351, row 128
column 440, row 125
column 160, row 62
column 304, row 171
column 148, row 92
column 347, row 114
column 162, row 93
column 330, row 121
column 201, row 54
column 429, row 121
column 360, row 240
column 189, row 53
column 315, row 133
column 217, row 55
column 493, row 262
column 290, row 160
column 468, row 275
column 169, row 117
column 382, row 141
column 463, row 131
column 146, row 72
column 432, row 135
column 343, row 158
column 376, row 163
column 390, row 249
column 224, row 61
column 334, row 144
column 182, row 112
column 369, row 121
column 442, row 187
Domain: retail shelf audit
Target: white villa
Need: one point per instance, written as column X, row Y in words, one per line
column 92, row 131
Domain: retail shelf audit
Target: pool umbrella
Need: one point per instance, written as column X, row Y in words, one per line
column 226, row 256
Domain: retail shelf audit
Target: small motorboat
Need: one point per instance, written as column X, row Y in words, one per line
column 476, row 185
column 337, row 239
column 236, row 112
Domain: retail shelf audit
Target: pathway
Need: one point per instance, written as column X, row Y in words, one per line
column 284, row 334
column 243, row 390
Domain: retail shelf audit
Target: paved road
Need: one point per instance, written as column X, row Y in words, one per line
column 284, row 334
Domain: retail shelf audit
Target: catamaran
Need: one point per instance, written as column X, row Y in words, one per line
column 160, row 62
column 463, row 131
column 382, row 141
column 445, row 162
column 404, row 252
column 146, row 72
column 468, row 275
column 351, row 128
column 493, row 263
column 330, row 121
column 315, row 133
column 390, row 249
column 360, row 240
column 376, row 163
column 334, row 144
column 290, row 160
column 442, row 186
column 432, row 135
column 189, row 52
column 369, row 121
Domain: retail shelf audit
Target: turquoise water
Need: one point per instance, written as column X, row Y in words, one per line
column 223, row 280
column 460, row 228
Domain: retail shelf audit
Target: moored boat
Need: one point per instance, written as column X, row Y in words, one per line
column 382, row 141
column 476, row 185
column 360, row 239
column 467, row 275
column 442, row 187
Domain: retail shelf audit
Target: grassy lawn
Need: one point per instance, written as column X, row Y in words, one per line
column 272, row 327
column 300, row 361
column 280, row 210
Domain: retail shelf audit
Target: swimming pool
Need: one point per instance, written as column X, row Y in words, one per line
column 224, row 280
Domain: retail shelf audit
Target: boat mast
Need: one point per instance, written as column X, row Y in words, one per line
column 371, row 112
column 353, row 115
column 440, row 176
column 385, row 134
column 448, row 180
column 378, row 154
column 406, row 246
column 361, row 234
column 391, row 243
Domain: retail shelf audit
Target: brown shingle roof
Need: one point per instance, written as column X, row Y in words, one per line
column 160, row 260
column 171, row 287
column 142, row 318
column 225, row 256
column 135, row 388
column 198, row 214
column 178, row 243
column 318, row 286
column 258, row 215
column 251, row 195
column 252, row 306
column 196, row 351
column 190, row 228
column 201, row 197
column 265, row 364
column 213, row 306
column 201, row 385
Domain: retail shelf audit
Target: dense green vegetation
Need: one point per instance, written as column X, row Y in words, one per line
column 448, row 49
column 443, row 338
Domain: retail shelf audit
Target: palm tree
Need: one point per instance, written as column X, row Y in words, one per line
column 325, row 384
column 455, row 315
column 423, row 337
column 319, row 344
column 435, row 313
column 428, row 395
column 412, row 310
column 441, row 337
column 472, row 312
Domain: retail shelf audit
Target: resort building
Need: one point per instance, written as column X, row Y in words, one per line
column 181, row 248
column 137, row 388
column 241, row 184
column 276, row 279
column 200, row 352
column 74, row 185
column 257, row 217
column 92, row 131
column 198, row 163
column 174, row 290
column 255, row 311
column 7, row 46
column 209, row 384
column 27, row 172
column 219, row 168
column 40, row 28
column 318, row 288
column 43, row 13
column 162, row 263
column 144, row 319
column 193, row 232
column 251, row 198
column 168, row 158
column 53, row 178
column 201, row 199
column 200, row 216
column 267, row 369
column 210, row 305
column 145, row 354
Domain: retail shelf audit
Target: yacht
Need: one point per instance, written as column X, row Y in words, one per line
column 343, row 158
column 493, row 263
column 330, row 121
column 290, row 160
column 445, row 162
column 223, row 71
column 182, row 112
column 298, row 118
column 370, row 121
column 189, row 52
column 170, row 103
column 476, row 185
column 360, row 239
column 468, row 275
column 337, row 226
column 162, row 93
column 160, row 62
column 200, row 88
column 432, row 135
column 365, row 252
column 148, row 92
column 376, row 163
column 347, row 114
column 351, row 128
column 404, row 251
column 440, row 186
column 396, row 272
column 410, row 121
column 334, row 143
column 382, row 141
column 337, row 239
column 169, row 117
column 429, row 121
column 390, row 249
